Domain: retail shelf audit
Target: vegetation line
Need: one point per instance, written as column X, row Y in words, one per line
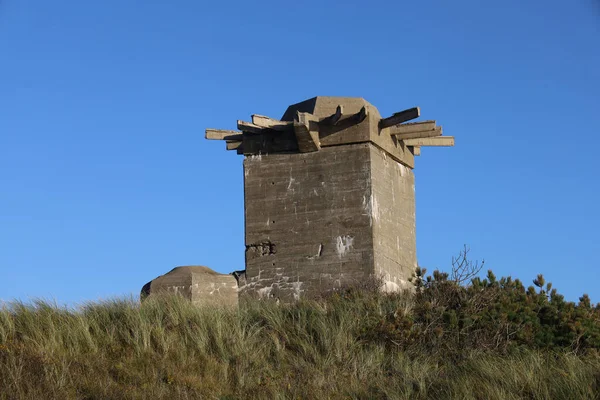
column 455, row 336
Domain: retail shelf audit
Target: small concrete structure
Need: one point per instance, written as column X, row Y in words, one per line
column 201, row 285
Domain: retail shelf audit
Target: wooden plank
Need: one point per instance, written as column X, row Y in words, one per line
column 233, row 144
column 412, row 127
column 423, row 134
column 400, row 117
column 416, row 150
column 222, row 134
column 249, row 127
column 266, row 122
column 306, row 133
column 434, row 141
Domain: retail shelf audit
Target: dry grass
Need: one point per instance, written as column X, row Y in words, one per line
column 168, row 349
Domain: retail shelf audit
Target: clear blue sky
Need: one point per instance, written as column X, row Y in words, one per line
column 106, row 180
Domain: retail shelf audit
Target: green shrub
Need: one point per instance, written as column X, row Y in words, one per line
column 490, row 314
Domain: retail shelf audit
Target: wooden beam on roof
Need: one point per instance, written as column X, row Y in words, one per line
column 307, row 135
column 222, row 134
column 233, row 144
column 249, row 127
column 400, row 117
column 412, row 127
column 432, row 141
column 418, row 135
column 266, row 122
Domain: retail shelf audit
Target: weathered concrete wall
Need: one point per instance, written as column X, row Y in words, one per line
column 311, row 219
column 200, row 284
column 393, row 209
column 308, row 227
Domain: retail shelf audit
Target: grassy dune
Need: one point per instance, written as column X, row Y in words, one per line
column 334, row 348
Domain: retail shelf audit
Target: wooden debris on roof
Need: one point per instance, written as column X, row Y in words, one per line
column 222, row 134
column 304, row 134
column 432, row 141
column 249, row 127
column 233, row 145
column 266, row 122
column 400, row 117
column 437, row 131
column 412, row 127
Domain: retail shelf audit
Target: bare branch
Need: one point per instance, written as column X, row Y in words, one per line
column 463, row 269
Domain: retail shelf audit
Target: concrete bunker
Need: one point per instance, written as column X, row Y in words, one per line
column 329, row 196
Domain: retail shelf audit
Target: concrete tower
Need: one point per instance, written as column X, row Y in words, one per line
column 329, row 196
